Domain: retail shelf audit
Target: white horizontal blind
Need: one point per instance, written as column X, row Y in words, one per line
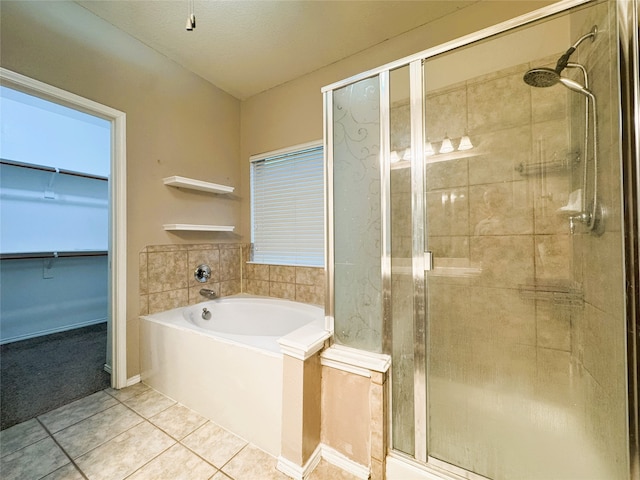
column 287, row 207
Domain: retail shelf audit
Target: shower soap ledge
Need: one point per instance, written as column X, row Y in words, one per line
column 198, row 228
column 193, row 184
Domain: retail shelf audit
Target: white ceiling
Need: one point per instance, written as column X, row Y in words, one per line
column 245, row 47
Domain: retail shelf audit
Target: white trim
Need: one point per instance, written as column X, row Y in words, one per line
column 304, row 342
column 354, row 360
column 298, row 472
column 107, row 368
column 50, row 331
column 543, row 12
column 344, row 463
column 294, row 148
column 133, row 381
column 118, row 207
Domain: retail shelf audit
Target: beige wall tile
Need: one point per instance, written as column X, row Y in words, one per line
column 144, row 304
column 230, row 287
column 143, row 276
column 256, row 271
column 257, row 287
column 282, row 273
column 159, row 302
column 167, row 271
column 229, row 262
column 309, row 276
column 309, row 294
column 282, row 290
column 201, row 256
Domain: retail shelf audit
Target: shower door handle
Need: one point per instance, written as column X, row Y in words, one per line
column 428, row 261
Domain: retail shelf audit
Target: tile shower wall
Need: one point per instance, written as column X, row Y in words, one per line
column 166, row 276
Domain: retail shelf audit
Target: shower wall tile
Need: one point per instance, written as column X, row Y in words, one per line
column 500, row 152
column 446, row 114
column 448, row 211
column 506, row 261
column 553, row 257
column 484, row 102
column 501, row 209
column 553, row 326
column 453, row 173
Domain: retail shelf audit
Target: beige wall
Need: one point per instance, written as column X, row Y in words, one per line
column 177, row 124
column 291, row 114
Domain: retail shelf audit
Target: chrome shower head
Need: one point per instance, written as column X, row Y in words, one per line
column 541, row 77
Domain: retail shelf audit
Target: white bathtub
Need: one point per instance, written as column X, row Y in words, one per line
column 227, row 368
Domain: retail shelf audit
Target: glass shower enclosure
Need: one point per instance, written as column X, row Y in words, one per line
column 479, row 235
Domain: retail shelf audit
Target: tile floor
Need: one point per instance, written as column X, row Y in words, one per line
column 134, row 433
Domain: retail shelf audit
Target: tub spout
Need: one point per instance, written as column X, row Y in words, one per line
column 206, row 292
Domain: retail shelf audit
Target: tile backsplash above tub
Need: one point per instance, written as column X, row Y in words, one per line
column 167, row 281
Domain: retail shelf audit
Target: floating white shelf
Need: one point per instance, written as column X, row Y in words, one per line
column 198, row 228
column 192, row 184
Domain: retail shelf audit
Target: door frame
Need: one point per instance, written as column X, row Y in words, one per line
column 117, row 282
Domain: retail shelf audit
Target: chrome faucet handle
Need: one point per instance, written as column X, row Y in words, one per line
column 202, row 273
column 582, row 217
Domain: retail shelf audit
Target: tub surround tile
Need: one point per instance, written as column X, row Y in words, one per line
column 178, row 421
column 149, row 403
column 143, row 272
column 209, row 257
column 81, row 437
column 257, row 287
column 20, row 436
column 229, row 263
column 167, row 271
column 282, row 290
column 159, row 302
column 310, row 276
column 76, row 411
column 256, row 271
column 215, row 444
column 194, row 292
column 177, row 463
column 142, row 443
column 281, row 273
column 34, row 461
column 311, row 294
column 252, row 463
column 230, row 287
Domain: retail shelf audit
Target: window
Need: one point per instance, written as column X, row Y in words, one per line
column 287, row 206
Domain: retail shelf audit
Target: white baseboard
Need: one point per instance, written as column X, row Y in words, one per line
column 107, row 368
column 133, row 380
column 341, row 461
column 298, row 472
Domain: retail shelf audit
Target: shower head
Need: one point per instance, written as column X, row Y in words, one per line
column 576, row 87
column 541, row 77
column 547, row 77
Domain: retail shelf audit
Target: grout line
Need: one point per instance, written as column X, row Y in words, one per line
column 62, row 449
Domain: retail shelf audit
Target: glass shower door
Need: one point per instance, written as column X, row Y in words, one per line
column 525, row 318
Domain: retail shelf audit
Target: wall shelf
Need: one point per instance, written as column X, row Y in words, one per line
column 186, row 227
column 193, row 184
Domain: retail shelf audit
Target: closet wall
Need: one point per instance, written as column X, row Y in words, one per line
column 54, row 207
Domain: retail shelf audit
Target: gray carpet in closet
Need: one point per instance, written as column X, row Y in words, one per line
column 41, row 374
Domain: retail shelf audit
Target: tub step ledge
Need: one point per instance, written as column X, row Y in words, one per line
column 304, row 342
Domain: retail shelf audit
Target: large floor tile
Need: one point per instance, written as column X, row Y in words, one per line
column 149, row 403
column 215, row 444
column 326, row 471
column 20, row 436
column 125, row 453
column 252, row 463
column 177, row 463
column 96, row 430
column 127, row 392
column 34, row 461
column 178, row 421
column 76, row 411
column 68, row 472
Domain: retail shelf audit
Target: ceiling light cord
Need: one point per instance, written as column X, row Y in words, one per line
column 191, row 17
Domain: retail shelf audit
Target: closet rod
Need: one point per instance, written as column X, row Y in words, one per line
column 32, row 255
column 13, row 163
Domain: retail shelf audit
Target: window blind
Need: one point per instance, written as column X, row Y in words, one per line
column 287, row 207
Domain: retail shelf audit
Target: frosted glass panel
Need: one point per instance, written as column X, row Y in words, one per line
column 356, row 184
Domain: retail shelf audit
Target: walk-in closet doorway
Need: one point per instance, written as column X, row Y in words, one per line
column 63, row 236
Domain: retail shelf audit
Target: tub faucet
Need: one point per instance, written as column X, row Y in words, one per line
column 210, row 294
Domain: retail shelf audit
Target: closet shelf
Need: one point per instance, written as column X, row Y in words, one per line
column 193, row 184
column 197, row 228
